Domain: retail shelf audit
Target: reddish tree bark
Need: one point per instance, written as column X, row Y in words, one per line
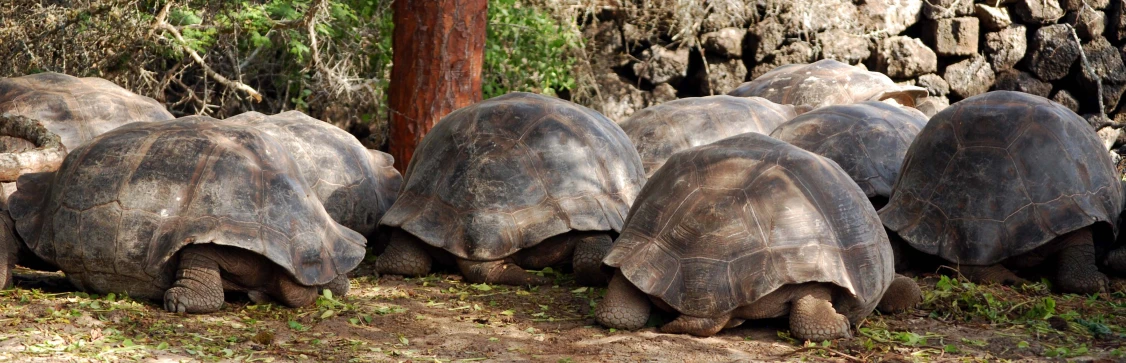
column 438, row 51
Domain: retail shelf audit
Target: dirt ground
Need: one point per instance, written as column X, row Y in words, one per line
column 441, row 318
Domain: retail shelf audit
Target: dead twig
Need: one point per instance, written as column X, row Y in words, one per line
column 203, row 64
column 825, row 349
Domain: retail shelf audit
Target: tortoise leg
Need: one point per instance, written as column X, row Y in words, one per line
column 9, row 249
column 198, row 287
column 404, row 256
column 992, row 274
column 624, row 307
column 903, row 293
column 698, row 326
column 339, row 286
column 1116, row 260
column 288, row 291
column 1077, row 272
column 502, row 272
column 589, row 252
column 812, row 316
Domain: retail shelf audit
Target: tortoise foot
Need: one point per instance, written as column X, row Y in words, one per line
column 339, row 286
column 624, row 307
column 1077, row 272
column 198, row 287
column 589, row 252
column 404, row 256
column 701, row 327
column 903, row 293
column 499, row 272
column 813, row 318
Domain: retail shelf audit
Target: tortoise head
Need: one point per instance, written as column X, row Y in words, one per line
column 909, row 96
column 26, row 146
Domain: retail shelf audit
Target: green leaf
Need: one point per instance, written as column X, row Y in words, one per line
column 950, row 348
column 327, row 313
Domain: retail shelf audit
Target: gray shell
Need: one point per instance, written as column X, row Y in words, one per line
column 827, row 82
column 663, row 129
column 999, row 174
column 868, row 140
column 721, row 225
column 77, row 109
column 122, row 205
column 355, row 184
column 506, row 173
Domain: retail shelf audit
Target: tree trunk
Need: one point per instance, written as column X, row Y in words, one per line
column 438, row 52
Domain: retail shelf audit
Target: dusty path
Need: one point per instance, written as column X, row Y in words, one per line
column 441, row 318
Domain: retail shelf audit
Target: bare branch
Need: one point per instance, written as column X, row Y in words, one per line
column 206, row 68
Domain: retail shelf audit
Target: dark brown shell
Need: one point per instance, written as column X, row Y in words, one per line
column 659, row 131
column 122, row 205
column 77, row 109
column 827, row 82
column 999, row 174
column 868, row 140
column 721, row 225
column 355, row 184
column 506, row 173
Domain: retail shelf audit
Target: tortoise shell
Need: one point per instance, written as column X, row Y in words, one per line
column 827, row 82
column 868, row 140
column 721, row 225
column 77, row 109
column 509, row 172
column 659, row 131
column 355, row 184
column 121, row 206
column 999, row 174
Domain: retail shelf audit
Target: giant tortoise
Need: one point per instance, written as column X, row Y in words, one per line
column 75, row 109
column 867, row 139
column 355, row 184
column 750, row 227
column 517, row 181
column 827, row 82
column 184, row 210
column 1009, row 179
column 660, row 130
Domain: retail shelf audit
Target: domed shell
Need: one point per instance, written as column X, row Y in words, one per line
column 659, row 131
column 506, row 173
column 721, row 225
column 121, row 206
column 77, row 109
column 355, row 184
column 827, row 82
column 999, row 174
column 868, row 140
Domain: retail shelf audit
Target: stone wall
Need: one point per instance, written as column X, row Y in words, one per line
column 1067, row 50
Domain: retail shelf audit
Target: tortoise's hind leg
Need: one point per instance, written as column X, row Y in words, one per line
column 291, row 293
column 198, row 287
column 1077, row 272
column 901, row 295
column 624, row 307
column 502, row 272
column 812, row 316
column 404, row 256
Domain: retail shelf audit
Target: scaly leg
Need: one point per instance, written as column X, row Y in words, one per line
column 624, row 307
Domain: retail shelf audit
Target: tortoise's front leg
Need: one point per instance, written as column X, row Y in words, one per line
column 624, row 307
column 1077, row 272
column 9, row 249
column 812, row 316
column 404, row 256
column 198, row 287
column 903, row 293
column 587, row 262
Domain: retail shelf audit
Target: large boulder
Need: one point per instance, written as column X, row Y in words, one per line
column 953, row 36
column 1088, row 22
column 1051, row 52
column 1016, row 80
column 764, row 37
column 969, row 77
column 1038, row 11
column 993, row 18
column 1106, row 65
column 1006, row 47
column 905, row 57
column 662, row 65
column 726, row 42
column 945, row 9
column 890, row 16
column 840, row 45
